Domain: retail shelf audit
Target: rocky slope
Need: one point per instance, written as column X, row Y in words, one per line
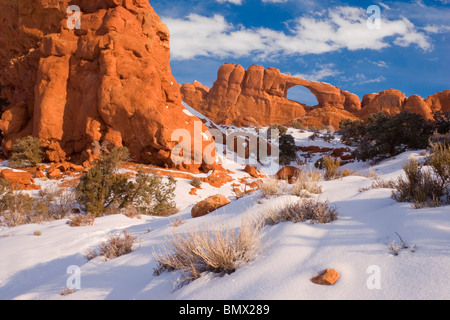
column 108, row 81
column 258, row 97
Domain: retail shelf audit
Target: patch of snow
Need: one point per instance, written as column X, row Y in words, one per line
column 33, row 267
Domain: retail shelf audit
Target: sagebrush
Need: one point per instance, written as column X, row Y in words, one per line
column 116, row 246
column 426, row 185
column 219, row 250
column 312, row 210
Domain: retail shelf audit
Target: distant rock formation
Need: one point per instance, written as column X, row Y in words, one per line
column 109, row 81
column 258, row 97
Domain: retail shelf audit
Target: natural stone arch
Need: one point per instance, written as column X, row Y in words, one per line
column 301, row 94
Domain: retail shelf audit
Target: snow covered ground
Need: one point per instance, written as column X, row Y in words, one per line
column 356, row 245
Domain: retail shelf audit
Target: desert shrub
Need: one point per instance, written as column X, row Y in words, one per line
column 442, row 139
column 331, row 166
column 381, row 136
column 381, row 184
column 15, row 207
column 351, row 131
column 81, row 220
column 278, row 128
column 196, row 182
column 62, row 205
column 116, row 246
column 177, row 222
column 312, row 210
column 307, row 182
column 426, row 186
column 300, row 187
column 440, row 162
column 441, row 122
column 287, row 149
column 151, row 195
column 327, row 137
column 219, row 250
column 297, row 125
column 270, row 188
column 54, row 204
column 314, row 136
column 26, row 151
column 313, row 175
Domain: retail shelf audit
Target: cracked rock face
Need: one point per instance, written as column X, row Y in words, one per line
column 108, row 81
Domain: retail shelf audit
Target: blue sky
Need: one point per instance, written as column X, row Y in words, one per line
column 326, row 41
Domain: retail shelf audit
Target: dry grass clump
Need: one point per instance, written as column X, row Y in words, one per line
column 312, row 175
column 218, row 250
column 81, row 220
column 312, row 210
column 331, row 166
column 307, row 184
column 66, row 292
column 381, row 184
column 270, row 188
column 18, row 207
column 116, row 246
column 310, row 187
column 177, row 222
column 52, row 203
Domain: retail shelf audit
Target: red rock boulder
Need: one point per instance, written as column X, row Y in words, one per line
column 326, row 278
column 19, row 180
column 292, row 174
column 439, row 101
column 209, row 205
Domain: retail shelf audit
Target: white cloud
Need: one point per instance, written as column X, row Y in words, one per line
column 339, row 28
column 322, row 72
column 436, row 29
column 274, row 1
column 363, row 79
column 236, row 2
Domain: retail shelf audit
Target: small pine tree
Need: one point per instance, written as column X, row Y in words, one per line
column 26, row 151
column 287, row 149
column 101, row 187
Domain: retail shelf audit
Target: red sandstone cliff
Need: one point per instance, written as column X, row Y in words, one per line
column 108, row 81
column 258, row 96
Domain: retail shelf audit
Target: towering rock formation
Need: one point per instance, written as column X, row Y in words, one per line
column 258, row 97
column 109, row 80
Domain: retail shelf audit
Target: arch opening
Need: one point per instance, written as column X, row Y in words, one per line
column 302, row 95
